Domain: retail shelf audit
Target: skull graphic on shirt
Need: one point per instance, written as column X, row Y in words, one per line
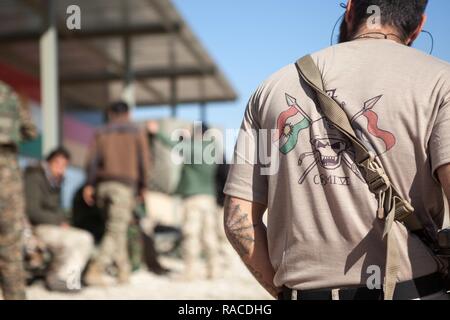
column 328, row 144
column 330, row 148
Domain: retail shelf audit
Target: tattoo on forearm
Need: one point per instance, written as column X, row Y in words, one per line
column 239, row 229
column 260, row 278
column 241, row 233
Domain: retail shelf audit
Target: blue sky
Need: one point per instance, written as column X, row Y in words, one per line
column 251, row 39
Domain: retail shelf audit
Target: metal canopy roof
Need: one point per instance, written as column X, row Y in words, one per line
column 167, row 62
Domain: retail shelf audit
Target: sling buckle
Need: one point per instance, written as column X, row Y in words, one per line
column 375, row 176
column 403, row 209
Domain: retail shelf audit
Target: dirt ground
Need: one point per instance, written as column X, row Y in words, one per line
column 235, row 283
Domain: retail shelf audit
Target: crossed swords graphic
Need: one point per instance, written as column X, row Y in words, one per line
column 368, row 105
column 346, row 157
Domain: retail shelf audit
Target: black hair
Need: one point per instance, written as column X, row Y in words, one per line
column 404, row 15
column 60, row 151
column 200, row 128
column 204, row 128
column 119, row 107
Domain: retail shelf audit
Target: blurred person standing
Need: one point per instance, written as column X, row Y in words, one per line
column 71, row 247
column 198, row 190
column 117, row 168
column 15, row 125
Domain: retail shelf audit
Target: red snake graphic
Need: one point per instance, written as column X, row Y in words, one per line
column 372, row 126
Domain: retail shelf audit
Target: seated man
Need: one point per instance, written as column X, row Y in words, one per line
column 71, row 247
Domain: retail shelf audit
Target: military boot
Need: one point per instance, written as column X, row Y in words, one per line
column 96, row 276
column 123, row 273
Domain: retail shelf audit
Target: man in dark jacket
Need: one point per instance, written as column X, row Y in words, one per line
column 117, row 169
column 71, row 247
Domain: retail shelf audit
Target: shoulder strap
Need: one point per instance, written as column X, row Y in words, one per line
column 334, row 113
column 391, row 205
column 372, row 170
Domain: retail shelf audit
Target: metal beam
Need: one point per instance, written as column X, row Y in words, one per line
column 203, row 112
column 173, row 78
column 22, row 65
column 202, row 105
column 128, row 94
column 118, row 69
column 166, row 102
column 49, row 80
column 154, row 73
column 113, row 31
column 36, row 7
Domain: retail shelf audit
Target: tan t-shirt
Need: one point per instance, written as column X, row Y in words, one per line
column 322, row 225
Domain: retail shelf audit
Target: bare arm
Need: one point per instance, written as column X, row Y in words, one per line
column 444, row 177
column 248, row 235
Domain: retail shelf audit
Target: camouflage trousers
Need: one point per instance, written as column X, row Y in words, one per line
column 118, row 202
column 200, row 234
column 71, row 249
column 12, row 275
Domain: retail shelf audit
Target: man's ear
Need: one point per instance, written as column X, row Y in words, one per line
column 419, row 29
column 349, row 12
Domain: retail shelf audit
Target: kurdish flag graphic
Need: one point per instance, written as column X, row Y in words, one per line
column 289, row 125
column 373, row 128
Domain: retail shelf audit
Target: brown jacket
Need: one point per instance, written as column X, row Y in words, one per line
column 119, row 152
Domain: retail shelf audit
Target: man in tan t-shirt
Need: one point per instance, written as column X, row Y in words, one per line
column 323, row 238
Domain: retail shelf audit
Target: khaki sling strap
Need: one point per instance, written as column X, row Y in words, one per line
column 392, row 206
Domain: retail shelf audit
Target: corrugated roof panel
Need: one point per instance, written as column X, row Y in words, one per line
column 92, row 60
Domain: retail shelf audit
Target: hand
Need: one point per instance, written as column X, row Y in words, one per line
column 152, row 126
column 88, row 195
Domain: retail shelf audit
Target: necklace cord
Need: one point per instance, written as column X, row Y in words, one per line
column 385, row 35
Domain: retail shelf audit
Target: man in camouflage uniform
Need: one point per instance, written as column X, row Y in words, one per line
column 15, row 125
column 198, row 190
